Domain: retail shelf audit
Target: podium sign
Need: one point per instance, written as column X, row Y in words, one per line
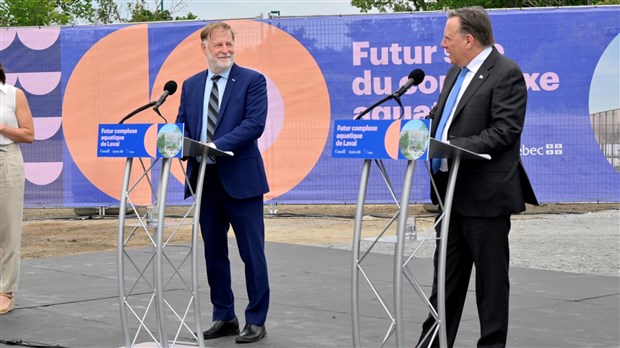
column 381, row 139
column 163, row 140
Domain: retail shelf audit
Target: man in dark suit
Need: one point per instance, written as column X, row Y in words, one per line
column 235, row 98
column 487, row 117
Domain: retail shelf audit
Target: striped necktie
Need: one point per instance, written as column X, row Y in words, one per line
column 447, row 110
column 212, row 111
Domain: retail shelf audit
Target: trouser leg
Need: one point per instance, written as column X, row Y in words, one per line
column 11, row 213
column 458, row 271
column 488, row 239
column 247, row 221
column 214, row 227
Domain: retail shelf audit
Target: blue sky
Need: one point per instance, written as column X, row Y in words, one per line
column 213, row 9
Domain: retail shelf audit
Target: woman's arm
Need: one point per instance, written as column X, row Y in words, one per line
column 24, row 133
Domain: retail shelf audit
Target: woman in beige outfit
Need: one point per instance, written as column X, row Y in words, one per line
column 16, row 126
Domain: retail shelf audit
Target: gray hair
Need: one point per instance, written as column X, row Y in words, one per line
column 475, row 21
column 206, row 32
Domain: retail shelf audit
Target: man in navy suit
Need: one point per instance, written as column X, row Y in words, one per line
column 487, row 117
column 234, row 186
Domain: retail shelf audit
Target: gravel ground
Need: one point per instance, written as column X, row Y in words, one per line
column 582, row 243
column 582, row 238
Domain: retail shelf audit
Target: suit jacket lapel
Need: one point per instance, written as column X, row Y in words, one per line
column 200, row 91
column 481, row 75
column 230, row 86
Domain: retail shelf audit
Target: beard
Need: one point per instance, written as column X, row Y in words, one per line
column 220, row 64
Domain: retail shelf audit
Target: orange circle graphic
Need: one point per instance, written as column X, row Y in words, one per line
column 299, row 102
column 109, row 81
column 392, row 136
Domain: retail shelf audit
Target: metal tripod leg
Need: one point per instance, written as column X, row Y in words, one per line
column 443, row 247
column 162, row 189
column 399, row 251
column 160, row 289
column 358, row 257
column 357, row 235
column 121, row 253
column 139, row 311
column 195, row 232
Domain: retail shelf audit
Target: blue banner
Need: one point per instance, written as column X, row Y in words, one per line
column 319, row 70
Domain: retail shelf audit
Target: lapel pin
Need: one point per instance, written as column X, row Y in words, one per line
column 480, row 77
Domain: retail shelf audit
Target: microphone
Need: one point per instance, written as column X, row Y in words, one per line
column 169, row 89
column 415, row 78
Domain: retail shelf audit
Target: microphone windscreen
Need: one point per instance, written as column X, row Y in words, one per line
column 417, row 75
column 171, row 87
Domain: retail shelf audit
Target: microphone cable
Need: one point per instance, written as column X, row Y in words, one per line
column 21, row 343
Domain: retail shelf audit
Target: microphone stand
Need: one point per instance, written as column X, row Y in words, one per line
column 373, row 106
column 391, row 96
column 142, row 108
column 160, row 115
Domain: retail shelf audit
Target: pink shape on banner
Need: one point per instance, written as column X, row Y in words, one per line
column 39, row 83
column 6, row 37
column 46, row 127
column 42, row 173
column 11, row 79
column 39, row 39
column 275, row 120
column 150, row 140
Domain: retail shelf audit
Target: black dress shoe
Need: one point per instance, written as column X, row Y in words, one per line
column 251, row 333
column 220, row 328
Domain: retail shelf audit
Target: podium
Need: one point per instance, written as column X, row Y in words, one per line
column 437, row 149
column 158, row 298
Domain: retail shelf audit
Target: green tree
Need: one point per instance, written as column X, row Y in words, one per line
column 429, row 5
column 45, row 12
column 384, row 6
column 188, row 16
column 140, row 12
column 62, row 12
column 108, row 12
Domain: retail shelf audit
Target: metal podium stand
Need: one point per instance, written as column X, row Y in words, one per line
column 139, row 295
column 437, row 150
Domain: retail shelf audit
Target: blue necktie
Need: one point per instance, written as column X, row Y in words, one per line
column 447, row 110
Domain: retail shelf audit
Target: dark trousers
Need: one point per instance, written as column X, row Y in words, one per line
column 218, row 212
column 482, row 242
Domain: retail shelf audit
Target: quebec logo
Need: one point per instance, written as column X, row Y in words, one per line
column 547, row 150
column 553, row 149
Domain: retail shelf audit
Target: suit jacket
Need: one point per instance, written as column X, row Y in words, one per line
column 488, row 119
column 241, row 121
